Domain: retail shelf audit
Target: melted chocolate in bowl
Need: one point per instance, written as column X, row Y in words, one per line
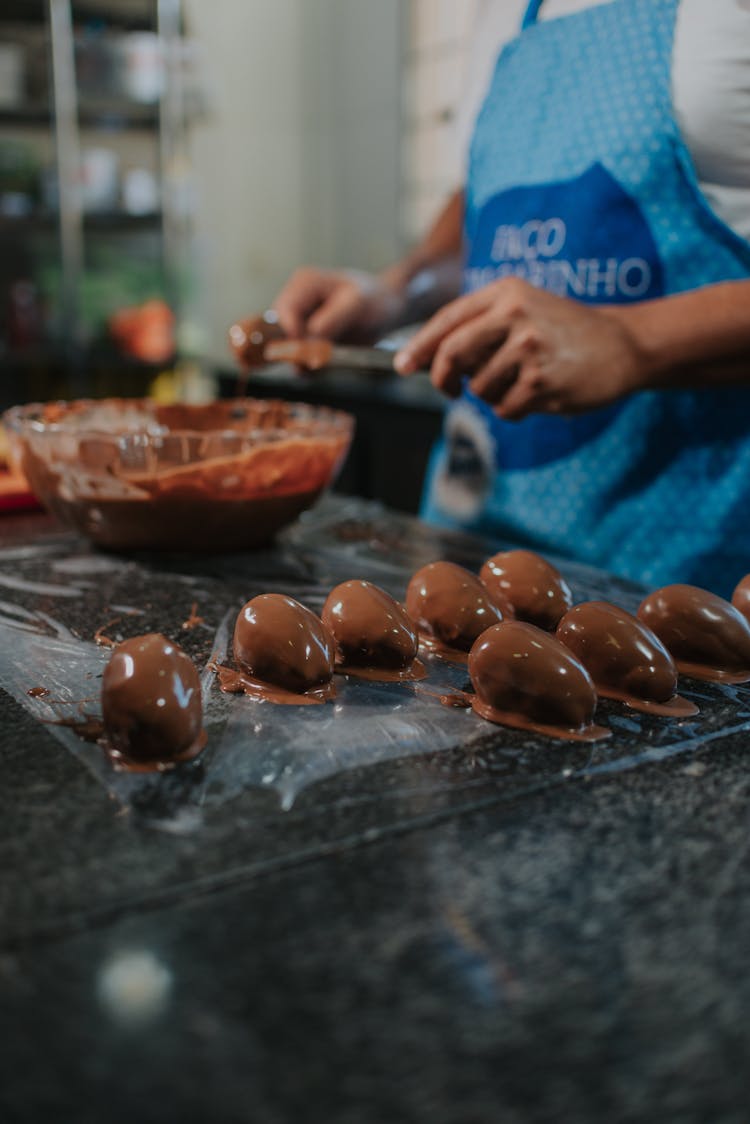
column 533, row 588
column 283, row 651
column 525, row 678
column 451, row 607
column 707, row 636
column 625, row 659
column 151, row 702
column 130, row 474
column 373, row 634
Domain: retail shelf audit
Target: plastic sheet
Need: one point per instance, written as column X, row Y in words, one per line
column 57, row 595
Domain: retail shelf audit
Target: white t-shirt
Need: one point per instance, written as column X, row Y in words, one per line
column 710, row 88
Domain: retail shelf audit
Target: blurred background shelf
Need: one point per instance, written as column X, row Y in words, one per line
column 126, row 15
column 26, row 117
column 104, row 115
column 103, row 221
column 96, row 211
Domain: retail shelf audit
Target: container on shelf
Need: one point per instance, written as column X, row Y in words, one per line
column 140, row 192
column 141, row 67
column 12, row 75
column 100, row 179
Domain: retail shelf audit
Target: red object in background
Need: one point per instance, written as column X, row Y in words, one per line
column 15, row 494
column 146, row 332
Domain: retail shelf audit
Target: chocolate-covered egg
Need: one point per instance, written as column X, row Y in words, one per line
column 248, row 338
column 151, row 701
column 534, row 589
column 741, row 597
column 450, row 605
column 374, row 635
column 707, row 636
column 526, row 678
column 279, row 641
column 625, row 659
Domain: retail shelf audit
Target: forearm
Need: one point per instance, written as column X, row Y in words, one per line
column 696, row 339
column 357, row 306
column 430, row 274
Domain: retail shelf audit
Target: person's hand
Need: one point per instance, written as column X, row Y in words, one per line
column 526, row 351
column 336, row 303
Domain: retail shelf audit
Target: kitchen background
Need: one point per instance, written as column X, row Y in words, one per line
column 165, row 165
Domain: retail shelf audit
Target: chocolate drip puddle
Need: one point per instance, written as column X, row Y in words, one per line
column 236, row 682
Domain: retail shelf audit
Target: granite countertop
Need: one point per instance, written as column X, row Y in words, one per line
column 392, row 917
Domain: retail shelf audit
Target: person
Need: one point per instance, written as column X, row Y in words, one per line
column 598, row 358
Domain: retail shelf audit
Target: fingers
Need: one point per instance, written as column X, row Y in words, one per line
column 510, row 380
column 494, row 380
column 463, row 350
column 508, row 299
column 421, row 348
column 519, row 401
column 339, row 312
column 318, row 302
column 305, row 290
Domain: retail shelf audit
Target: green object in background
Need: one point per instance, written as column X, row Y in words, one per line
column 19, row 172
column 119, row 271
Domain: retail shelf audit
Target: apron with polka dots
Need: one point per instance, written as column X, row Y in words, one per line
column 580, row 182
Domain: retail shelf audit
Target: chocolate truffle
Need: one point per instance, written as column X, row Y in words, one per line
column 280, row 642
column 526, row 678
column 371, row 631
column 625, row 659
column 741, row 597
column 248, row 338
column 450, row 605
column 534, row 590
column 151, row 701
column 707, row 637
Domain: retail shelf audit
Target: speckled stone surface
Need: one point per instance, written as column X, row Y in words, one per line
column 466, row 936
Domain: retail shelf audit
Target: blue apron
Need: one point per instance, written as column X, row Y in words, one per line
column 579, row 181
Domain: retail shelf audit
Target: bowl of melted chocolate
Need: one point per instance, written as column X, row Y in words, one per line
column 133, row 474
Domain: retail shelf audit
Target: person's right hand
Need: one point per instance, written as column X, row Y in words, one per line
column 336, row 303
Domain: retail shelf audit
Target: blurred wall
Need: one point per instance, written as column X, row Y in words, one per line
column 298, row 157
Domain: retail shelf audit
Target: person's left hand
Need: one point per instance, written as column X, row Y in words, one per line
column 526, row 351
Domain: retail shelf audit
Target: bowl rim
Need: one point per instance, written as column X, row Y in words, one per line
column 19, row 419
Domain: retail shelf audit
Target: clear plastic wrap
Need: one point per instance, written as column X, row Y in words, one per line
column 59, row 596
